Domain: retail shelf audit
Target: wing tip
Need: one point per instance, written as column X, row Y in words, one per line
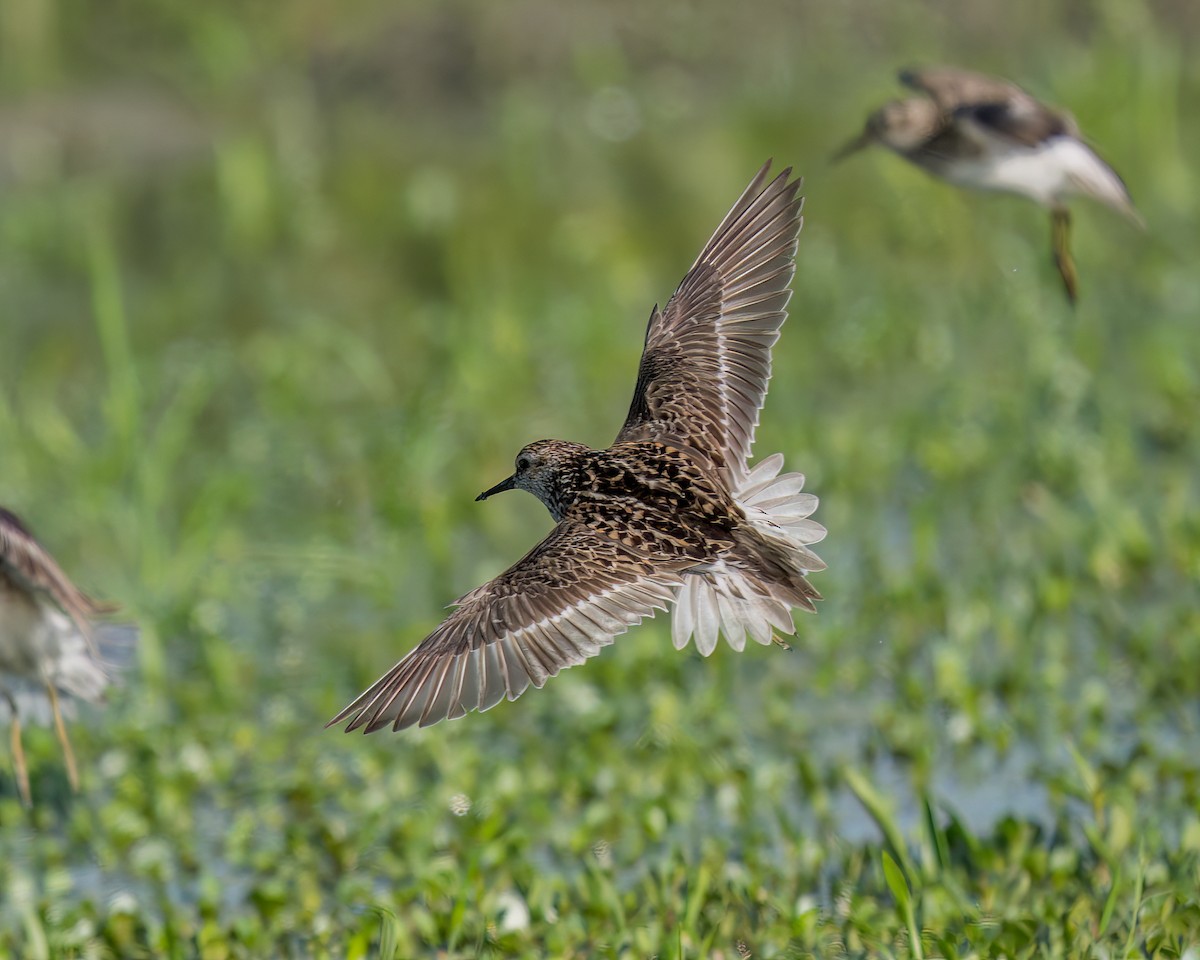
column 353, row 713
column 763, row 182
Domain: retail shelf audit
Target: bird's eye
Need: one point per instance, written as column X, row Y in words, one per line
column 522, row 463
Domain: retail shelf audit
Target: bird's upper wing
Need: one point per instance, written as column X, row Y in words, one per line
column 1024, row 122
column 707, row 359
column 557, row 606
column 32, row 568
column 951, row 88
column 990, row 108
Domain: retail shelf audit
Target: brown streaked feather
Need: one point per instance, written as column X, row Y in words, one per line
column 27, row 563
column 553, row 609
column 707, row 359
column 656, row 500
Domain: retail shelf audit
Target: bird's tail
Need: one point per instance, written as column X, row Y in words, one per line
column 755, row 597
column 1090, row 176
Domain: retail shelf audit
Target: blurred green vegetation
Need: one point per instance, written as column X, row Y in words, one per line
column 284, row 285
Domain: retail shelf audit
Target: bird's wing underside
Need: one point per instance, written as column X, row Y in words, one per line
column 989, row 108
column 707, row 359
column 569, row 596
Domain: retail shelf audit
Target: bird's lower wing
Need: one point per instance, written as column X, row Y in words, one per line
column 991, row 111
column 557, row 606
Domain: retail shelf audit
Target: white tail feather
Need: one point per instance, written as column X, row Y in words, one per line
column 721, row 598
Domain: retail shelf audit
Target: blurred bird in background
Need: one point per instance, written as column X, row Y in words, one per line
column 986, row 133
column 51, row 644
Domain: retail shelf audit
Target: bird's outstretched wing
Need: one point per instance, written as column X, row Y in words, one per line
column 28, row 564
column 564, row 600
column 989, row 108
column 707, row 359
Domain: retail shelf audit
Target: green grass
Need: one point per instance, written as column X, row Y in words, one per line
column 325, row 269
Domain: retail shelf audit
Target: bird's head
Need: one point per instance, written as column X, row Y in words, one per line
column 541, row 468
column 900, row 125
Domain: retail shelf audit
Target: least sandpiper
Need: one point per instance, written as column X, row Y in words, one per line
column 985, row 133
column 50, row 644
column 671, row 513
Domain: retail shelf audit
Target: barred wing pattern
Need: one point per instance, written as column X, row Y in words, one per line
column 557, row 606
column 704, row 371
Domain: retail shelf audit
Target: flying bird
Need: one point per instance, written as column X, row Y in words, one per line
column 986, row 133
column 51, row 644
column 670, row 516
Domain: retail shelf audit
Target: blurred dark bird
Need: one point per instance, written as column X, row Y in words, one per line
column 985, row 133
column 671, row 513
column 49, row 643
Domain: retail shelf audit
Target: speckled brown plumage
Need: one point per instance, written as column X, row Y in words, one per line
column 670, row 512
column 992, row 102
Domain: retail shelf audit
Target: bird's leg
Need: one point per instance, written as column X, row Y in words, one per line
column 20, row 770
column 61, row 729
column 1060, row 222
column 777, row 639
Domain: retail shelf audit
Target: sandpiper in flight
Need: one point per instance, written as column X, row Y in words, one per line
column 988, row 134
column 671, row 513
column 49, row 644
